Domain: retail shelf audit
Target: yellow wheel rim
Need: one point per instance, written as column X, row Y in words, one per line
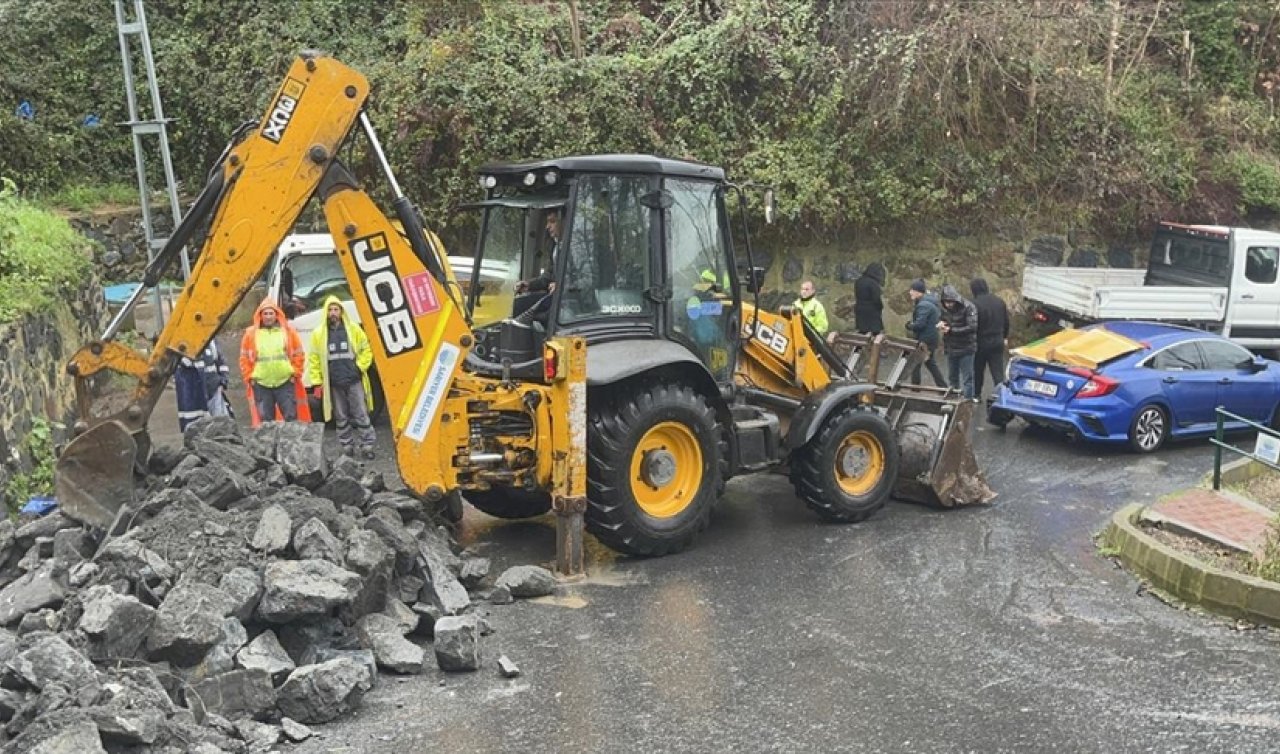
column 859, row 463
column 666, row 469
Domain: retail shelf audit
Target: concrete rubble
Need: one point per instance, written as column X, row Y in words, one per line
column 252, row 590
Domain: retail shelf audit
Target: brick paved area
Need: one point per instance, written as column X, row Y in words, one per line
column 1222, row 517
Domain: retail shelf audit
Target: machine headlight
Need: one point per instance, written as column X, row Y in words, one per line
column 551, row 177
column 530, row 179
column 488, row 181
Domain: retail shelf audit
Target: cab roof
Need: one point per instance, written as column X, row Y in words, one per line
column 610, row 163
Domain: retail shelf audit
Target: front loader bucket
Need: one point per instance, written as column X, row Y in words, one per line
column 936, row 464
column 93, row 479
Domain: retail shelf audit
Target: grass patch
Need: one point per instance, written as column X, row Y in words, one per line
column 86, row 196
column 41, row 256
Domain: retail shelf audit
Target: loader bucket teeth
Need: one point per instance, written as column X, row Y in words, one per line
column 936, row 463
column 94, row 475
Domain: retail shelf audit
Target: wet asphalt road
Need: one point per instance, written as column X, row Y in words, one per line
column 990, row 629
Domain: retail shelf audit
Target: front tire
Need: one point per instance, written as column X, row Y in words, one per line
column 509, row 502
column 1149, row 429
column 653, row 469
column 846, row 472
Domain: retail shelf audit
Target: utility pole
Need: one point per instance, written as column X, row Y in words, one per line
column 154, row 126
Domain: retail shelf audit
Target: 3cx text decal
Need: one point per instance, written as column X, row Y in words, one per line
column 282, row 111
column 386, row 294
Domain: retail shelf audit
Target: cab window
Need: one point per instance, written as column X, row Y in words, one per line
column 1260, row 264
column 606, row 273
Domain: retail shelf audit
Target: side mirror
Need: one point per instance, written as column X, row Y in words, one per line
column 770, row 209
column 754, row 281
column 1257, row 364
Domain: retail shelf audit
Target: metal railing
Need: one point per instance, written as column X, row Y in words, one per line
column 1219, row 444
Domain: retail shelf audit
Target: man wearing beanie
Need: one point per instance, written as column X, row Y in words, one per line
column 924, row 328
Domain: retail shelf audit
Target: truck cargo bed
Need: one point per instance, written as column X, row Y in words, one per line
column 1109, row 294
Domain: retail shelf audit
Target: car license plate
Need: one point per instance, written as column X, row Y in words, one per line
column 1040, row 388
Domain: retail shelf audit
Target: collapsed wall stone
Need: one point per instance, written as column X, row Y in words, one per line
column 323, row 692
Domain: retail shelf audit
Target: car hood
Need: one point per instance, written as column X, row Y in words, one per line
column 1080, row 348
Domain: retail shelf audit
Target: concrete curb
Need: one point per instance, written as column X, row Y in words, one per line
column 1187, row 578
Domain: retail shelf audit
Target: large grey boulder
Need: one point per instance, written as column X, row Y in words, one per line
column 222, row 657
column 265, row 653
column 314, row 541
column 410, row 508
column 31, row 592
column 79, row 737
column 217, row 486
column 323, row 692
column 116, row 624
column 226, row 455
column 219, row 428
column 383, row 634
column 236, row 694
column 274, row 531
column 120, row 726
column 344, row 490
column 243, row 586
column 300, row 450
column 457, row 643
column 260, row 442
column 390, row 529
column 527, row 581
column 304, row 588
column 188, row 623
column 52, row 660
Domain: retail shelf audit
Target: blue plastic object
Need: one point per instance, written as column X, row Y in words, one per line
column 40, row 504
column 25, row 110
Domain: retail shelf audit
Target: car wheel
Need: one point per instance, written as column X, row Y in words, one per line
column 1149, row 429
column 999, row 417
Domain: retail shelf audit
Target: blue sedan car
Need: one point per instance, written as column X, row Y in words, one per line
column 1139, row 383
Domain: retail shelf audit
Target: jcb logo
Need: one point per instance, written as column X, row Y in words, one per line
column 386, row 295
column 282, row 111
column 771, row 338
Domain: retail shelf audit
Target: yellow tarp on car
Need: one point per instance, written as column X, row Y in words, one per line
column 1079, row 348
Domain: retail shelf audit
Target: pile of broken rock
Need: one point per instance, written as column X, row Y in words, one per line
column 250, row 590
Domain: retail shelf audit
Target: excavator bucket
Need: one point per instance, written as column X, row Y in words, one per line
column 93, row 479
column 936, row 464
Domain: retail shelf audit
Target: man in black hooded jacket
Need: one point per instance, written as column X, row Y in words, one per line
column 993, row 335
column 868, row 305
column 959, row 328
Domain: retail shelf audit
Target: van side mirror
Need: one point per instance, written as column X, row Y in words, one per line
column 770, row 209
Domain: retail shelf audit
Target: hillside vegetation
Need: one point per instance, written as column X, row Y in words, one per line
column 863, row 113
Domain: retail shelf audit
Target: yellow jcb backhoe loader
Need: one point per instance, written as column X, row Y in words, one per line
column 625, row 381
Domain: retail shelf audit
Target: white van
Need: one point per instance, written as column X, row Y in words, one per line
column 306, row 268
column 1209, row 276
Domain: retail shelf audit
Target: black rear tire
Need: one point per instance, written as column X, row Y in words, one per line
column 1149, row 429
column 509, row 502
column 821, row 470
column 668, row 433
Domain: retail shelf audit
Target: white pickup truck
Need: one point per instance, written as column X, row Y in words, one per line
column 1212, row 277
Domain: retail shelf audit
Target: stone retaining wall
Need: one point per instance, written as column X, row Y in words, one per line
column 33, row 381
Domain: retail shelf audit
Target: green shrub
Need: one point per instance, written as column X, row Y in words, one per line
column 1257, row 176
column 41, row 256
column 83, row 196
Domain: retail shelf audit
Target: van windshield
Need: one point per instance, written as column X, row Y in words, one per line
column 316, row 277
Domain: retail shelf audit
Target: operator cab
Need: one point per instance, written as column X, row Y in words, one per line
column 608, row 247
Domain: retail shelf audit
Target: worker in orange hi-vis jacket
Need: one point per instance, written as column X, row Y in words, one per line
column 271, row 363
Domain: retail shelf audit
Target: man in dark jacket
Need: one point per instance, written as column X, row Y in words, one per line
column 867, row 305
column 924, row 328
column 959, row 328
column 993, row 335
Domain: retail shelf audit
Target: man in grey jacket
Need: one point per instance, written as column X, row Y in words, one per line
column 959, row 327
column 924, row 328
